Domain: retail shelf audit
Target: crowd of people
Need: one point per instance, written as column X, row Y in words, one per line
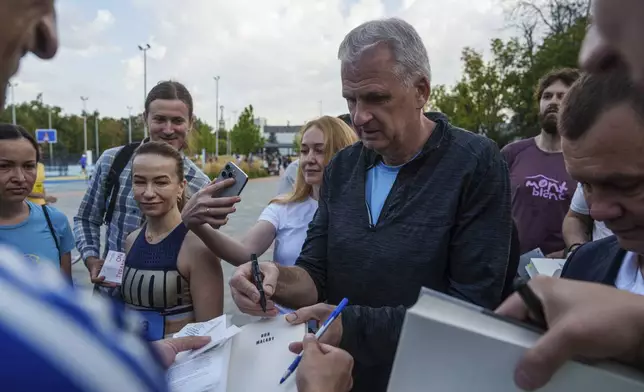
column 372, row 211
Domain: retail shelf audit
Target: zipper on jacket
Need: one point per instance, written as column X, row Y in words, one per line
column 371, row 225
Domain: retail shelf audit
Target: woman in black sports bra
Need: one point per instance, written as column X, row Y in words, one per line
column 170, row 276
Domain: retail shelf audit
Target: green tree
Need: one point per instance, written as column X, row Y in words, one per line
column 562, row 24
column 496, row 97
column 201, row 137
column 478, row 101
column 245, row 135
column 113, row 132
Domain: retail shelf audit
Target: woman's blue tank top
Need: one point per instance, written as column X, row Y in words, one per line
column 154, row 287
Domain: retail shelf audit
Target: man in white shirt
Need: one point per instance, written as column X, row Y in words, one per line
column 578, row 226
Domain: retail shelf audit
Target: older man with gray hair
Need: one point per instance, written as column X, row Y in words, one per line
column 418, row 202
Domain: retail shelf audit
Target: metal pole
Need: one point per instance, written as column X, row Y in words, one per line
column 96, row 133
column 216, row 116
column 145, row 82
column 235, row 121
column 13, row 102
column 222, row 124
column 84, row 99
column 129, row 124
column 51, row 145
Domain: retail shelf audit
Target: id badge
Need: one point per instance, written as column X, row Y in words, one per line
column 152, row 325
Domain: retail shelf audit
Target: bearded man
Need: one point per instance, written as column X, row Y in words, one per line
column 541, row 187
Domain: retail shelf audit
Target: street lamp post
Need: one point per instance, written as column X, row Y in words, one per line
column 145, row 48
column 84, row 99
column 235, row 121
column 129, row 124
column 96, row 133
column 222, row 124
column 216, row 115
column 51, row 146
column 13, row 102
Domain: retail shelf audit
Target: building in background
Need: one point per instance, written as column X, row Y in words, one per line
column 280, row 137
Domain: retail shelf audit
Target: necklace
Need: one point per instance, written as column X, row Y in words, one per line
column 154, row 238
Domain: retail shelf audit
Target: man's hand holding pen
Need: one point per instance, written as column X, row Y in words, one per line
column 245, row 293
column 258, row 278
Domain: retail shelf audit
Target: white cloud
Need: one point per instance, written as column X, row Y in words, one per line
column 86, row 37
column 278, row 55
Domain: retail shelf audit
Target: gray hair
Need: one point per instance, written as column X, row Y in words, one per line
column 403, row 40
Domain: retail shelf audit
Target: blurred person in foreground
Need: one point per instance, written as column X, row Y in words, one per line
column 417, row 202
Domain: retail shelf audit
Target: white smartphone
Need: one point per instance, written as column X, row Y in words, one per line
column 232, row 171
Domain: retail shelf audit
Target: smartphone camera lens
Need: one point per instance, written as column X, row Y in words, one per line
column 230, row 175
column 223, row 174
column 228, row 167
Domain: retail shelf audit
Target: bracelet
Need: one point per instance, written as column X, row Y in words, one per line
column 571, row 248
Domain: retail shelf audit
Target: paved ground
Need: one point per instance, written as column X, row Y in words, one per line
column 254, row 198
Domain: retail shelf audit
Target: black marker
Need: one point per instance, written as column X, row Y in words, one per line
column 259, row 281
column 532, row 302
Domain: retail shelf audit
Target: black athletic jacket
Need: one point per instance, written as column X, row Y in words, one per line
column 445, row 225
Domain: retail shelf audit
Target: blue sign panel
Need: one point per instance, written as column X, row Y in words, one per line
column 46, row 136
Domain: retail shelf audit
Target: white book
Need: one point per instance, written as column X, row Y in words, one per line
column 544, row 266
column 254, row 359
column 449, row 345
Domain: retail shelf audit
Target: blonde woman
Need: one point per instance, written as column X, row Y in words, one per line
column 286, row 218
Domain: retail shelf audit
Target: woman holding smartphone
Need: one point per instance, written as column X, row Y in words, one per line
column 170, row 276
column 286, row 218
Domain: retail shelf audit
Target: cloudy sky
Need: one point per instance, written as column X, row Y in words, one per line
column 278, row 55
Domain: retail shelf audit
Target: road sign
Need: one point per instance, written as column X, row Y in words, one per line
column 46, row 136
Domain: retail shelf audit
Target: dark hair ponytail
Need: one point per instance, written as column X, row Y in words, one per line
column 15, row 132
column 169, row 89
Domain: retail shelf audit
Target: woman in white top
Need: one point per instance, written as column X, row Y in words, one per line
column 286, row 218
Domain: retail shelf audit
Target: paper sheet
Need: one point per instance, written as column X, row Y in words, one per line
column 207, row 372
column 203, row 328
column 215, row 328
column 113, row 267
column 549, row 267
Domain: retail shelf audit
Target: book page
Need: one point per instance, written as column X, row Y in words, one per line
column 260, row 356
column 207, row 372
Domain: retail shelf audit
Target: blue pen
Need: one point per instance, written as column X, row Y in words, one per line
column 318, row 335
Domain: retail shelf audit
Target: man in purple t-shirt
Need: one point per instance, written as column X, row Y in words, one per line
column 541, row 187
